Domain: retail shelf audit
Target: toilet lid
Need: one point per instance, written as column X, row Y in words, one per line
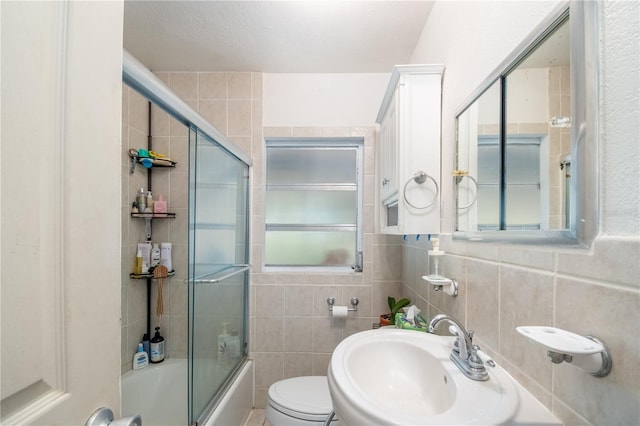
column 304, row 397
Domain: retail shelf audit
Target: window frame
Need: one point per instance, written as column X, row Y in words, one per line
column 355, row 144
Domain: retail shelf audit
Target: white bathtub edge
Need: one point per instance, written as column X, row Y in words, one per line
column 236, row 405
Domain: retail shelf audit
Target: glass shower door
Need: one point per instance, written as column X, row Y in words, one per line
column 218, row 270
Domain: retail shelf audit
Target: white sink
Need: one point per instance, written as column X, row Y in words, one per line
column 401, row 377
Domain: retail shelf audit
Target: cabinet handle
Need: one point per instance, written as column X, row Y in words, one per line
column 385, row 181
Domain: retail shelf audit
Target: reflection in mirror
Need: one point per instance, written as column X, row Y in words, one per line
column 515, row 140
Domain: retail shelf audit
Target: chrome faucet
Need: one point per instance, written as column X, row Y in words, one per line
column 464, row 354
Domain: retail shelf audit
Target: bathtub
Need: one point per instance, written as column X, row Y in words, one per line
column 159, row 394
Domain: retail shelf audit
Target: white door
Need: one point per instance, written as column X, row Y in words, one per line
column 60, row 201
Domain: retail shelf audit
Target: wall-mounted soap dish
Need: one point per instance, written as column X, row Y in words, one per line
column 447, row 285
column 586, row 352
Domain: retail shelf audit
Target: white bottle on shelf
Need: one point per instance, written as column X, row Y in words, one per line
column 165, row 256
column 155, row 255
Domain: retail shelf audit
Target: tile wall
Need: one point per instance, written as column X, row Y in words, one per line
column 169, row 138
column 585, row 291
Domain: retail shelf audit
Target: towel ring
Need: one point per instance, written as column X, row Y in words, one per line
column 458, row 175
column 420, row 177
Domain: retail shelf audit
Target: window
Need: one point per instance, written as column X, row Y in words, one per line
column 313, row 202
column 523, row 194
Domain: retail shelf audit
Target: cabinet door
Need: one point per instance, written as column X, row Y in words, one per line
column 389, row 151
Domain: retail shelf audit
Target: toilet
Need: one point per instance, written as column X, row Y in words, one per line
column 299, row 401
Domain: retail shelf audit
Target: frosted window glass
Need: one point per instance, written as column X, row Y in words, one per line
column 295, row 166
column 523, row 164
column 312, row 192
column 488, row 207
column 311, row 207
column 310, row 248
column 523, row 206
column 489, row 164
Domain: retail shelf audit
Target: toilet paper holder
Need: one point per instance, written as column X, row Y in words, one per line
column 354, row 304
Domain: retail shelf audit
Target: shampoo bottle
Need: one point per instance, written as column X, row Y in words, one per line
column 149, row 201
column 141, row 200
column 157, row 347
column 165, row 256
column 140, row 359
column 137, row 267
column 155, row 255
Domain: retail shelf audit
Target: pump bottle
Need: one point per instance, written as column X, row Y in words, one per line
column 140, row 359
column 157, row 347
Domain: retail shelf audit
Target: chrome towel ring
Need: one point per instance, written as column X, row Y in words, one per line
column 458, row 175
column 421, row 177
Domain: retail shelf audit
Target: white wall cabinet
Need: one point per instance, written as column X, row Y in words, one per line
column 408, row 144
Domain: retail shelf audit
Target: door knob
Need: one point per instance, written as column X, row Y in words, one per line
column 104, row 417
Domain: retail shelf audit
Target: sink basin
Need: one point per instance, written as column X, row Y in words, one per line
column 402, row 377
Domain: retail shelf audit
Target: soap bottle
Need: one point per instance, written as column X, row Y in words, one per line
column 157, row 347
column 140, row 359
column 155, row 255
column 149, row 201
column 137, row 267
column 165, row 256
column 141, row 200
column 223, row 352
column 160, row 205
column 436, row 260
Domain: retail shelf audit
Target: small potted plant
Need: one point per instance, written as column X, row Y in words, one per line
column 394, row 308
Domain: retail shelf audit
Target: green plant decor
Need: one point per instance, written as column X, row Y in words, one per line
column 395, row 306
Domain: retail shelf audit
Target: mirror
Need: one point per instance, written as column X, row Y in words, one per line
column 514, row 155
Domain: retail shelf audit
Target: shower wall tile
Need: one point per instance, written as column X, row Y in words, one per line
column 298, row 364
column 215, row 112
column 159, row 122
column 138, row 112
column 320, row 364
column 257, row 88
column 269, row 301
column 212, row 85
column 184, row 84
column 239, row 121
column 298, row 300
column 239, row 85
column 298, row 335
column 269, row 334
column 269, row 368
column 307, row 132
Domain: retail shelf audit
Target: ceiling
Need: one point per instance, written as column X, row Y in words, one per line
column 304, row 36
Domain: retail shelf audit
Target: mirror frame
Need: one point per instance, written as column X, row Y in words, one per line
column 585, row 82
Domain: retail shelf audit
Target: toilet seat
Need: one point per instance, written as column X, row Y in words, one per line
column 305, row 398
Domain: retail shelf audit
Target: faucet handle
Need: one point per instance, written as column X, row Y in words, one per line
column 479, row 356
